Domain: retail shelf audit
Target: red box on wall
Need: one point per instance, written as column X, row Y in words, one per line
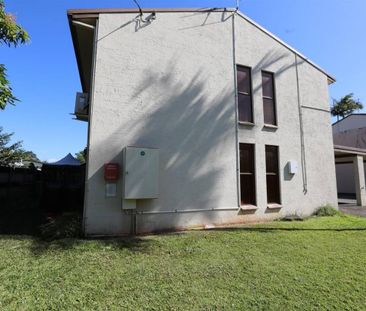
column 111, row 171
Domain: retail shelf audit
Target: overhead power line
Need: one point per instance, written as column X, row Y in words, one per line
column 138, row 6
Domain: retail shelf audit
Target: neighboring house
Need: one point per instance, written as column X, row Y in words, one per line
column 349, row 134
column 29, row 164
column 227, row 123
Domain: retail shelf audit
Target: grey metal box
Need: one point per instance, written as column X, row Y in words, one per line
column 140, row 173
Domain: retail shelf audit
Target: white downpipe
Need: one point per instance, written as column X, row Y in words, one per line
column 302, row 140
column 236, row 113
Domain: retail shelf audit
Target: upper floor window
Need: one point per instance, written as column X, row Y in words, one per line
column 269, row 101
column 244, row 86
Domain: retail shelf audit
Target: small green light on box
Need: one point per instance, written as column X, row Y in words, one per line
column 142, row 153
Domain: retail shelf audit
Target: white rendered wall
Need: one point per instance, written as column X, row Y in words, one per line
column 260, row 52
column 170, row 85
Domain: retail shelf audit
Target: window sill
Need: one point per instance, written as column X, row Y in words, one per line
column 274, row 206
column 246, row 123
column 248, row 207
column 271, row 126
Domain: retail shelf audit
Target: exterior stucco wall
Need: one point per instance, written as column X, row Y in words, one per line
column 257, row 50
column 170, row 85
column 319, row 149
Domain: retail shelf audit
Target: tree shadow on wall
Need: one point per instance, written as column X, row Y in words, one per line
column 270, row 59
column 192, row 121
column 193, row 125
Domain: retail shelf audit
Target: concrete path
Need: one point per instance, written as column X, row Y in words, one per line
column 353, row 210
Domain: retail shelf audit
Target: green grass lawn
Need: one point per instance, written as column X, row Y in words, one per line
column 319, row 263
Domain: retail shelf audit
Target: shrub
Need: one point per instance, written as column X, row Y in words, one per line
column 326, row 210
column 292, row 217
column 65, row 226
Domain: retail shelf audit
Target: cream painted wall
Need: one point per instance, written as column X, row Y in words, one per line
column 170, row 85
column 257, row 50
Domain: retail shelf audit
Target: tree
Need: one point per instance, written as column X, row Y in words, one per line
column 81, row 155
column 13, row 153
column 28, row 156
column 8, row 153
column 11, row 34
column 345, row 106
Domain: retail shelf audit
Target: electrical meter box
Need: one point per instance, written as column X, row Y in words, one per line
column 140, row 173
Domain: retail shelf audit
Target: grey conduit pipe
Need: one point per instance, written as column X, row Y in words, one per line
column 182, row 211
column 236, row 112
column 302, row 140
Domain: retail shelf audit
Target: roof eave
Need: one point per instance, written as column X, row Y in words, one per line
column 94, row 13
column 145, row 10
column 330, row 78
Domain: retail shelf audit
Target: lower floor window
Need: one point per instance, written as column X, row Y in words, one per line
column 247, row 175
column 272, row 175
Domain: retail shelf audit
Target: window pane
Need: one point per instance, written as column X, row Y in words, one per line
column 267, row 84
column 271, row 159
column 272, row 175
column 247, row 174
column 273, row 193
column 269, row 111
column 245, row 108
column 243, row 79
column 246, row 158
column 247, row 189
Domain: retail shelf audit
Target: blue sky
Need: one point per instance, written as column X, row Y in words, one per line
column 44, row 73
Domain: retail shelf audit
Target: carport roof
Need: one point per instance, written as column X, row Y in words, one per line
column 343, row 154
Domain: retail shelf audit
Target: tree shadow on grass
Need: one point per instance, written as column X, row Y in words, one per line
column 40, row 247
column 274, row 229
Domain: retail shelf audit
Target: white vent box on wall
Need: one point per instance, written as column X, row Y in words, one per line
column 140, row 173
column 292, row 167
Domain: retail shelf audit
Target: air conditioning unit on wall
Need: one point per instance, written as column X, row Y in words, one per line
column 82, row 106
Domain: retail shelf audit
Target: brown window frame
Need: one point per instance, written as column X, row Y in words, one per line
column 251, row 173
column 275, row 173
column 250, row 94
column 273, row 98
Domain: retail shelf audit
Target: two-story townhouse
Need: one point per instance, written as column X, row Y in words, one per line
column 197, row 117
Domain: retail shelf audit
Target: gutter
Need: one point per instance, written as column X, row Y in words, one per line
column 146, row 10
column 94, row 13
column 351, row 150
